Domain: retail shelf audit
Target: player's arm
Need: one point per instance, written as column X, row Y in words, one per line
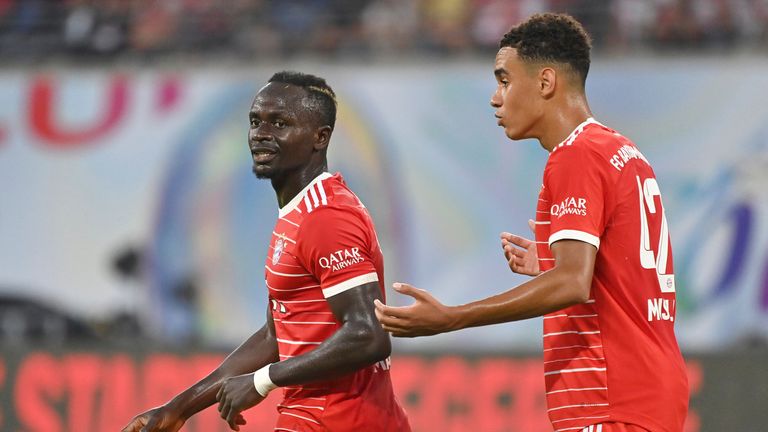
column 567, row 284
column 359, row 342
column 572, row 171
column 258, row 350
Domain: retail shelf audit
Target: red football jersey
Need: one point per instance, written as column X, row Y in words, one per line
column 615, row 357
column 323, row 244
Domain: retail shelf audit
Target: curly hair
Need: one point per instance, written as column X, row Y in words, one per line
column 320, row 96
column 551, row 38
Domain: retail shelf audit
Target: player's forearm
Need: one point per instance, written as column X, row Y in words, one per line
column 257, row 351
column 549, row 292
column 196, row 398
column 351, row 348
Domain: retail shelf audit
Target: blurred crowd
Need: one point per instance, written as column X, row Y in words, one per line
column 99, row 29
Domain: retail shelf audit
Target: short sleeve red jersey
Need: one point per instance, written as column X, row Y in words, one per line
column 324, row 243
column 614, row 358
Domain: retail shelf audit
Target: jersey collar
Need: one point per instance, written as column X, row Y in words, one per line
column 299, row 196
column 579, row 129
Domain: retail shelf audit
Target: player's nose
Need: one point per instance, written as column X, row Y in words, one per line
column 496, row 100
column 260, row 133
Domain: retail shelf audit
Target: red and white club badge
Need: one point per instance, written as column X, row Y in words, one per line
column 279, row 246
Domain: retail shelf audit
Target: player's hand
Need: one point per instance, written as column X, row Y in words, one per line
column 236, row 395
column 425, row 317
column 160, row 419
column 521, row 253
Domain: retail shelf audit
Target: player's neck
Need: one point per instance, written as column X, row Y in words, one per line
column 288, row 186
column 563, row 120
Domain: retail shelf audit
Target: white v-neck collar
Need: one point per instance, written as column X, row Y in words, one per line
column 299, row 196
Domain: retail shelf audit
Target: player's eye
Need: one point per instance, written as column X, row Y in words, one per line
column 279, row 124
column 254, row 122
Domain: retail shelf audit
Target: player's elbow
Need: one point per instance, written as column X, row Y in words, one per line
column 373, row 344
column 579, row 289
column 379, row 346
column 573, row 287
column 581, row 294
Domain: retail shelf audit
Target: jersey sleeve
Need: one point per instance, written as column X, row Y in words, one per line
column 574, row 180
column 334, row 245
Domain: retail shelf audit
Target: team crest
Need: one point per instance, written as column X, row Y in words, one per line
column 279, row 246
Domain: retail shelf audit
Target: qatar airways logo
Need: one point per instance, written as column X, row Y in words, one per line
column 341, row 259
column 569, row 206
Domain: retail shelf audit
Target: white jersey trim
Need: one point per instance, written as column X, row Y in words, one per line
column 300, row 196
column 321, row 189
column 301, row 417
column 294, row 342
column 574, row 346
column 585, row 405
column 577, row 389
column 350, row 283
column 567, row 234
column 575, row 370
column 309, row 322
column 302, row 406
column 576, row 132
column 286, row 274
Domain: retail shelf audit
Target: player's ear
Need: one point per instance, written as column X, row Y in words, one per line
column 322, row 137
column 547, row 82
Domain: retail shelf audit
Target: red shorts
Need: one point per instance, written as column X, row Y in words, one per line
column 614, row 427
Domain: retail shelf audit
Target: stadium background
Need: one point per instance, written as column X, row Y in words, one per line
column 132, row 233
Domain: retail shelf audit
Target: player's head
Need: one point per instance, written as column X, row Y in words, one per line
column 291, row 121
column 543, row 59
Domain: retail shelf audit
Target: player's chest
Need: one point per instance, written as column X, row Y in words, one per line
column 282, row 249
column 543, row 216
column 542, row 229
column 284, row 274
column 282, row 243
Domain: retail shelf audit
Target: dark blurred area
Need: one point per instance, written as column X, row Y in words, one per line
column 106, row 30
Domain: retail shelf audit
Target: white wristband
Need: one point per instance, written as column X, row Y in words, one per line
column 262, row 382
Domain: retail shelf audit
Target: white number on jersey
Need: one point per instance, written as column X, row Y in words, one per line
column 647, row 191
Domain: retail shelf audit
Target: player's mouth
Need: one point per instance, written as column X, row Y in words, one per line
column 263, row 155
column 498, row 119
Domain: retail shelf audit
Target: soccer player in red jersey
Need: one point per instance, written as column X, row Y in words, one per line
column 321, row 341
column 601, row 260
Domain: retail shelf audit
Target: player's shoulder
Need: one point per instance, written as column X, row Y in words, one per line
column 589, row 136
column 331, row 192
column 592, row 143
column 336, row 209
column 329, row 201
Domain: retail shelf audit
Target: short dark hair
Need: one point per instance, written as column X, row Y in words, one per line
column 551, row 38
column 320, row 96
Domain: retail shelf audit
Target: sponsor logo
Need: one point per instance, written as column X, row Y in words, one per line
column 278, row 251
column 569, row 206
column 341, row 259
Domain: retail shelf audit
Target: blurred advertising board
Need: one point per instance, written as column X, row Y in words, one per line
column 100, row 390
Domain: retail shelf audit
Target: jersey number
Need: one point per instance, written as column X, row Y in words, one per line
column 647, row 190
